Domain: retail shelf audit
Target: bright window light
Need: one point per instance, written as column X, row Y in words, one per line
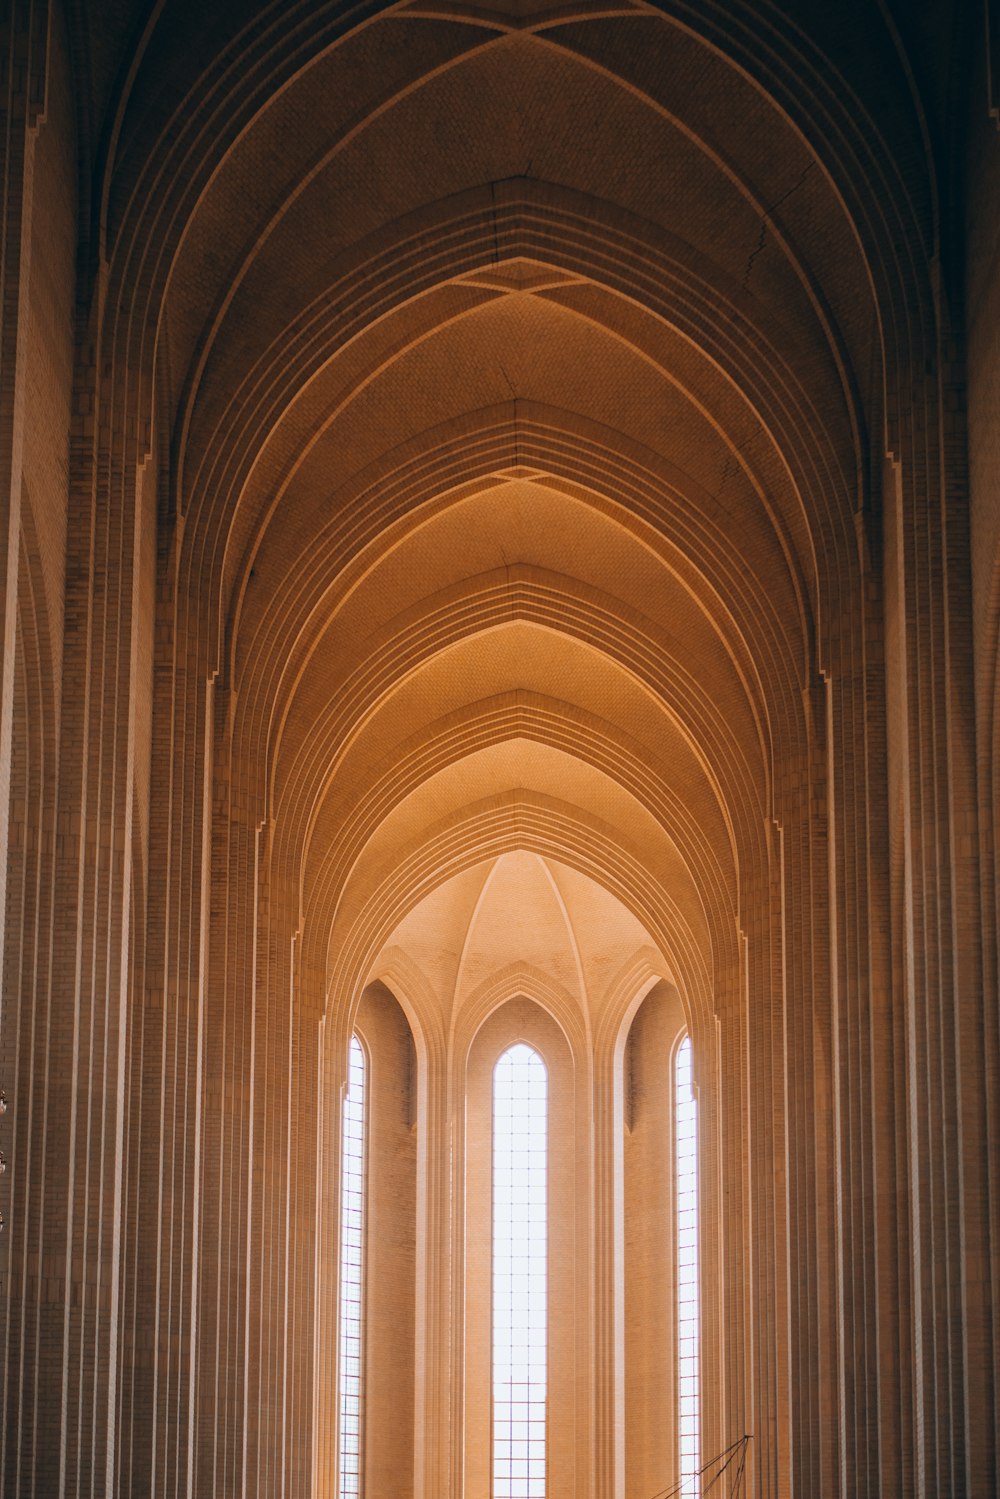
column 688, row 1374
column 352, row 1237
column 520, row 1250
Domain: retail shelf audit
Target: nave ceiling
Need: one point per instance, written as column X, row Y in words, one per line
column 505, row 527
column 516, row 352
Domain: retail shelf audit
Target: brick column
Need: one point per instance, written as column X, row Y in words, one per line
column 70, row 1283
column 949, row 1023
column 23, row 49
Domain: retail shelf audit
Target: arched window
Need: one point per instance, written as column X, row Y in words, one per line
column 688, row 1315
column 520, row 1255
column 352, row 1246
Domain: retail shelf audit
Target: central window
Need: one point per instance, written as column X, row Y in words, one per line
column 520, row 1264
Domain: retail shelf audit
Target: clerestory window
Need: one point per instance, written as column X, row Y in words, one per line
column 520, row 1255
column 352, row 1247
column 688, row 1312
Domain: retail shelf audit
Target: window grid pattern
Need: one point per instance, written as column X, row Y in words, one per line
column 688, row 1317
column 520, row 1254
column 352, row 1227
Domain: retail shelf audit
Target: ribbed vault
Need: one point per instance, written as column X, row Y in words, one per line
column 528, row 378
column 515, row 488
column 499, row 543
column 518, row 420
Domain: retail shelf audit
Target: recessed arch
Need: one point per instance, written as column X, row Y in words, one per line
column 568, row 726
column 533, row 769
column 569, row 610
column 666, row 9
column 520, row 980
column 511, row 822
column 782, row 470
column 756, row 362
column 725, row 169
column 754, row 635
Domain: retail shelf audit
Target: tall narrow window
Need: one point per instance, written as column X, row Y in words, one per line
column 352, row 1231
column 520, row 1249
column 688, row 1318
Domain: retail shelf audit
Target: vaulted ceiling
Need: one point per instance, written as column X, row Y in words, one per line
column 514, row 372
